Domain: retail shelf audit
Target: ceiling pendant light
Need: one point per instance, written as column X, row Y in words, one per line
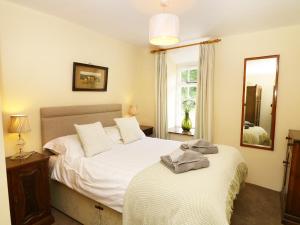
column 164, row 28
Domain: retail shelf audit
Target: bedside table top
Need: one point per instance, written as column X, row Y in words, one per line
column 144, row 127
column 35, row 157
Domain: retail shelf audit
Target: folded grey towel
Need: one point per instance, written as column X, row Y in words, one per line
column 176, row 154
column 201, row 146
column 189, row 160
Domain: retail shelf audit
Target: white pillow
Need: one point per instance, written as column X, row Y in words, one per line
column 114, row 133
column 129, row 129
column 66, row 144
column 93, row 138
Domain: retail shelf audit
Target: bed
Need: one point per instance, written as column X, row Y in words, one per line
column 256, row 135
column 118, row 185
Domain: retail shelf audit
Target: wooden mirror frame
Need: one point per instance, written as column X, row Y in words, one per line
column 274, row 104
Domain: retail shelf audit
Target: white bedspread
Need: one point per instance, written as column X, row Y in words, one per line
column 106, row 176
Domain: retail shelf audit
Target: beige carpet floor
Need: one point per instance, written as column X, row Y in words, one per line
column 254, row 206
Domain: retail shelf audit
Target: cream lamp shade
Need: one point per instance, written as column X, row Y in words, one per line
column 19, row 124
column 132, row 110
column 164, row 29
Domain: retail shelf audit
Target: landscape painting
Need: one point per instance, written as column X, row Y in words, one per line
column 88, row 77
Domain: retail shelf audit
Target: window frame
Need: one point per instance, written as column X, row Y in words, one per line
column 179, row 85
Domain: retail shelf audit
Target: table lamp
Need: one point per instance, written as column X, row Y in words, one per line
column 132, row 110
column 20, row 124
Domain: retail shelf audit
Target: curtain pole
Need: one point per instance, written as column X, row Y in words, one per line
column 188, row 45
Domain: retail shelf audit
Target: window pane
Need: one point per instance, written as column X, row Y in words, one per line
column 193, row 92
column 184, row 93
column 193, row 75
column 184, row 76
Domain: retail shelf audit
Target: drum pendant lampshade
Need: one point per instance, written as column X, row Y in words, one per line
column 164, row 29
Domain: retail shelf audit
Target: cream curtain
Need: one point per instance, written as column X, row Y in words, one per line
column 204, row 101
column 161, row 95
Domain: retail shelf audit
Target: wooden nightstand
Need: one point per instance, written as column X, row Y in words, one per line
column 29, row 195
column 148, row 130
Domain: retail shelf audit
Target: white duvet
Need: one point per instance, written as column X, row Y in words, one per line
column 106, row 176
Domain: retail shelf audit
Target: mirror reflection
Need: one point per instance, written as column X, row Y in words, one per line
column 259, row 102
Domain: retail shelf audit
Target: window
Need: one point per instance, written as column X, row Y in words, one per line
column 186, row 90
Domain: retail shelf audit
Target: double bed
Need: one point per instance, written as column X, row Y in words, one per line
column 256, row 135
column 129, row 185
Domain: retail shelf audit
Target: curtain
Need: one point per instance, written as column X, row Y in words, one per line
column 204, row 101
column 161, row 95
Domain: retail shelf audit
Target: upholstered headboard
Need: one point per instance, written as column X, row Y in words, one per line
column 59, row 121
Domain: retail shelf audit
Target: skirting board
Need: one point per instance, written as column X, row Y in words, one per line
column 81, row 208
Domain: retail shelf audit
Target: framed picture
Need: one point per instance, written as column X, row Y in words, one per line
column 88, row 77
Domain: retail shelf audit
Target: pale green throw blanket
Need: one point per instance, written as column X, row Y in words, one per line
column 156, row 196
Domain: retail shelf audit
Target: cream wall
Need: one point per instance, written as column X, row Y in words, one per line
column 265, row 167
column 4, row 202
column 144, row 93
column 37, row 55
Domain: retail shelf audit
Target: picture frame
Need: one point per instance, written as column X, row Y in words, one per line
column 87, row 77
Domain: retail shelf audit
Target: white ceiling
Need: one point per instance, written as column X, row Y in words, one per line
column 128, row 19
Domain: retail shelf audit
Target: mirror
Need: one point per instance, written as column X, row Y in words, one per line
column 259, row 102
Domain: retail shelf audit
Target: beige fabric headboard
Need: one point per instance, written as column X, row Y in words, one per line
column 59, row 121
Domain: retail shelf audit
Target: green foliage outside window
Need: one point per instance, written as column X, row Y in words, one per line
column 193, row 75
column 184, row 76
column 193, row 92
column 184, row 92
column 189, row 76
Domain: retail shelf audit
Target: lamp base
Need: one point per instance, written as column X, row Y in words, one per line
column 21, row 155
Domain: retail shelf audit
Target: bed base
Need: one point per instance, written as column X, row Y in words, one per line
column 81, row 208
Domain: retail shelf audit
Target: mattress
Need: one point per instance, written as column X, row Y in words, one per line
column 106, row 176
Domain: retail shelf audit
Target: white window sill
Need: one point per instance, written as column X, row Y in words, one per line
column 179, row 131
